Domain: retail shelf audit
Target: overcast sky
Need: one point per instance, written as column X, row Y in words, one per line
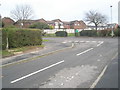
column 66, row 10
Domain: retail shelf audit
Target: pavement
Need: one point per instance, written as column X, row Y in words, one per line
column 49, row 46
column 76, row 67
column 110, row 77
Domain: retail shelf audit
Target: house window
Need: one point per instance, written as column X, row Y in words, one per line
column 78, row 24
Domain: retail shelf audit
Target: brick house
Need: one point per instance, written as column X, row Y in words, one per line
column 77, row 24
column 51, row 23
column 66, row 25
column 27, row 23
column 7, row 21
column 56, row 24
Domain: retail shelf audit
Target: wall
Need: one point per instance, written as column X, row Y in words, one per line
column 48, row 31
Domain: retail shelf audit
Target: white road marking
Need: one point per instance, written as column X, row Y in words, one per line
column 69, row 41
column 93, row 41
column 64, row 42
column 76, row 41
column 99, row 77
column 36, row 72
column 82, row 41
column 100, row 43
column 84, row 51
column 87, row 41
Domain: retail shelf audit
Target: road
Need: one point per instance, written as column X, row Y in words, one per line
column 76, row 67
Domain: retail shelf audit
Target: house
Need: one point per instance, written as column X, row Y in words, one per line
column 112, row 26
column 77, row 24
column 7, row 21
column 58, row 24
column 66, row 25
column 89, row 27
column 103, row 27
column 51, row 23
column 27, row 23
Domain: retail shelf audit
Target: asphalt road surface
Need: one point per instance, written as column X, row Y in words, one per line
column 76, row 67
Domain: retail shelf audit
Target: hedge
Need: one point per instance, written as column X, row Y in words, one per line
column 4, row 39
column 61, row 34
column 103, row 33
column 117, row 32
column 88, row 33
column 21, row 37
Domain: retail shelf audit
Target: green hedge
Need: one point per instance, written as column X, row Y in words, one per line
column 4, row 39
column 21, row 37
column 61, row 34
column 89, row 33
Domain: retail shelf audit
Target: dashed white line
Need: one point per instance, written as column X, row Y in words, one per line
column 84, row 51
column 87, row 41
column 64, row 42
column 94, row 41
column 36, row 72
column 82, row 41
column 100, row 43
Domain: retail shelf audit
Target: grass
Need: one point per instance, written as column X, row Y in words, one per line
column 53, row 35
column 14, row 51
column 71, row 34
column 45, row 40
column 6, row 53
column 49, row 35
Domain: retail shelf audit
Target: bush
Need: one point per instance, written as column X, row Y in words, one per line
column 61, row 34
column 22, row 37
column 89, row 33
column 103, row 33
column 4, row 39
column 117, row 32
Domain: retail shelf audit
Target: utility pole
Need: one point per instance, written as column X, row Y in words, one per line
column 112, row 26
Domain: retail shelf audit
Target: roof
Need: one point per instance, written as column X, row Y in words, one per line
column 57, row 20
column 65, row 22
column 8, row 18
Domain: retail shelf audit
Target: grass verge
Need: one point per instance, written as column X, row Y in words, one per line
column 16, row 51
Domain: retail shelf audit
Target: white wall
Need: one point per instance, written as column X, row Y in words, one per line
column 48, row 31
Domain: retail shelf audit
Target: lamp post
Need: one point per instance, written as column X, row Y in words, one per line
column 112, row 34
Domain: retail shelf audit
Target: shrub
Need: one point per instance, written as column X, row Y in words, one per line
column 117, row 32
column 22, row 37
column 61, row 34
column 103, row 33
column 88, row 33
column 4, row 39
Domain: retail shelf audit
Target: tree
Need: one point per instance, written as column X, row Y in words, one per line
column 96, row 18
column 22, row 13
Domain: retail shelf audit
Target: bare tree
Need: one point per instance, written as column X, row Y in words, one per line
column 22, row 13
column 95, row 18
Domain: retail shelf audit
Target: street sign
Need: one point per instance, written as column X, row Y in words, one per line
column 76, row 31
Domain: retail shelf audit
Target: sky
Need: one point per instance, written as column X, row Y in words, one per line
column 66, row 10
